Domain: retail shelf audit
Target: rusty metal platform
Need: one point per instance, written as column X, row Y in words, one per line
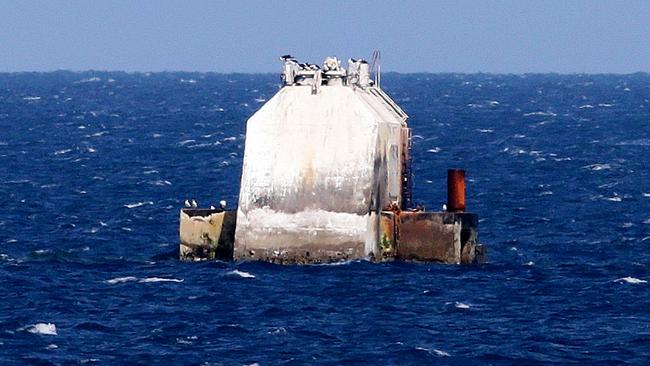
column 446, row 237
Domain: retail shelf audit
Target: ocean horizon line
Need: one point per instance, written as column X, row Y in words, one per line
column 199, row 72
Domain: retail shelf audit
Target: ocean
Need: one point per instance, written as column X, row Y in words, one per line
column 94, row 167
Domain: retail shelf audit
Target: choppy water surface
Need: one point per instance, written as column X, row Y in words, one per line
column 94, row 166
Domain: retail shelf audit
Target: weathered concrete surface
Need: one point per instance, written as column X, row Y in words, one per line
column 480, row 255
column 471, row 251
column 308, row 251
column 317, row 171
column 207, row 234
column 406, row 235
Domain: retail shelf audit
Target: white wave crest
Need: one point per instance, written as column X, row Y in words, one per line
column 461, row 305
column 161, row 182
column 336, row 263
column 185, row 142
column 551, row 114
column 632, row 280
column 158, row 279
column 638, row 142
column 614, row 199
column 89, row 360
column 42, row 328
column 241, row 274
column 115, row 280
column 597, row 167
column 139, row 204
column 61, row 152
column 434, row 351
column 93, row 79
column 441, row 353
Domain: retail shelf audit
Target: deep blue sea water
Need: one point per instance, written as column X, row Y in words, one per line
column 94, row 167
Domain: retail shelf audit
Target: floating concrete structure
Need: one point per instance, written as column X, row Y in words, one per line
column 327, row 177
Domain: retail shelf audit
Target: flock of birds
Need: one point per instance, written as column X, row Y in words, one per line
column 193, row 204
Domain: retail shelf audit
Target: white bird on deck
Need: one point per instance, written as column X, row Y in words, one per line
column 212, row 207
column 194, row 204
column 188, row 204
column 444, row 207
column 222, row 204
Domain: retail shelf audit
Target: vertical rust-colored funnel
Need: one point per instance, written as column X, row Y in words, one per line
column 455, row 190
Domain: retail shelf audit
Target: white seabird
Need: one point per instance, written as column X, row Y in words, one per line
column 188, row 204
column 222, row 203
column 194, row 204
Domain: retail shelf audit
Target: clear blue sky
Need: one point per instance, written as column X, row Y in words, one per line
column 248, row 36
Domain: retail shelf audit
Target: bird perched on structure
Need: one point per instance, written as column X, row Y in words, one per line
column 188, row 204
column 212, row 207
column 222, row 204
column 444, row 207
column 194, row 204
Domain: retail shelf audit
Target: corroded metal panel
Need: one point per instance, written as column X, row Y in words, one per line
column 429, row 236
column 407, row 169
column 448, row 237
column 206, row 234
column 455, row 190
column 471, row 251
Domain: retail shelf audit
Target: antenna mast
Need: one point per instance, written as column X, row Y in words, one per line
column 376, row 67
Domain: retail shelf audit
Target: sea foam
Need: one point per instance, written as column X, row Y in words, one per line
column 632, row 280
column 434, row 351
column 241, row 274
column 42, row 328
column 139, row 204
column 159, row 279
column 116, row 280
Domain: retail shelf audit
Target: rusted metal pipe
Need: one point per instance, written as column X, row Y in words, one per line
column 455, row 190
